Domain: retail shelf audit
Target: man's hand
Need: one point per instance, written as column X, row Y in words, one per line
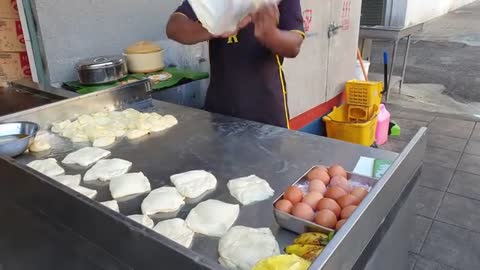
column 267, row 32
column 266, row 21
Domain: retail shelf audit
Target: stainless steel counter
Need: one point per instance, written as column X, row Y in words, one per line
column 227, row 147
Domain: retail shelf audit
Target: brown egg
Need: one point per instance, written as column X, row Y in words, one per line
column 318, row 173
column 342, row 182
column 340, row 224
column 312, row 199
column 317, row 186
column 360, row 193
column 335, row 193
column 326, row 218
column 337, row 170
column 347, row 211
column 303, row 211
column 327, row 203
column 293, row 194
column 284, row 206
column 348, row 200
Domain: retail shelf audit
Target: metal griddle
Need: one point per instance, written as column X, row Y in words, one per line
column 227, row 147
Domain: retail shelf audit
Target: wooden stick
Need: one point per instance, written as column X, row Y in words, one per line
column 360, row 59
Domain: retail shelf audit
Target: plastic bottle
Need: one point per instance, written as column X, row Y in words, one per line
column 383, row 124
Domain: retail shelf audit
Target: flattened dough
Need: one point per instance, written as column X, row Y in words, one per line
column 194, row 183
column 162, row 200
column 250, row 189
column 103, row 141
column 48, row 167
column 107, row 169
column 129, row 184
column 242, row 247
column 41, row 142
column 86, row 156
column 112, row 205
column 68, row 180
column 90, row 193
column 136, row 133
column 212, row 217
column 143, row 219
column 176, row 230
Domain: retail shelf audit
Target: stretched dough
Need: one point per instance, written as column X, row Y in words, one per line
column 162, row 200
column 68, row 180
column 86, row 156
column 112, row 205
column 48, row 167
column 242, row 247
column 176, row 230
column 142, row 219
column 103, row 141
column 250, row 189
column 107, row 169
column 90, row 193
column 194, row 183
column 212, row 217
column 129, row 184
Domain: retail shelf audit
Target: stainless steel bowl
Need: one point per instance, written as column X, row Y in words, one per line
column 104, row 69
column 15, row 138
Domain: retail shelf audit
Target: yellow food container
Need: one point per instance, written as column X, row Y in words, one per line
column 339, row 127
column 362, row 93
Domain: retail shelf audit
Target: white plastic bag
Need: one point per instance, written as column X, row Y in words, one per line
column 222, row 16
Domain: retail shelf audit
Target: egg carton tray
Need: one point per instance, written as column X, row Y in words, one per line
column 298, row 225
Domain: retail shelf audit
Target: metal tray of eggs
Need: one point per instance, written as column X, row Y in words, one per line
column 321, row 200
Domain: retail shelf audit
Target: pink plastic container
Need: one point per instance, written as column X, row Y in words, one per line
column 383, row 124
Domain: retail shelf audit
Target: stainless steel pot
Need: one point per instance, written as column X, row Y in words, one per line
column 102, row 69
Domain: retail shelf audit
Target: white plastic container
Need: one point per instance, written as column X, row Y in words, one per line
column 358, row 70
column 144, row 57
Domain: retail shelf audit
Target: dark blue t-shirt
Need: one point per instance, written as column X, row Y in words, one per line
column 247, row 80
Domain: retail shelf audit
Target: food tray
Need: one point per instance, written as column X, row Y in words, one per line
column 297, row 225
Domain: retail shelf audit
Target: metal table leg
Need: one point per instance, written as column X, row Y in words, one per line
column 394, row 53
column 405, row 64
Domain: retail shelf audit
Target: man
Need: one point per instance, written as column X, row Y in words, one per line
column 247, row 80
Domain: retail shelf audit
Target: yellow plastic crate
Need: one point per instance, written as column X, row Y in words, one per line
column 339, row 127
column 361, row 113
column 362, row 93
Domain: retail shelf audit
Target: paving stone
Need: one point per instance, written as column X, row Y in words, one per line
column 436, row 177
column 461, row 211
column 409, row 128
column 412, row 115
column 446, row 142
column 452, row 127
column 442, row 157
column 465, row 184
column 427, row 201
column 473, row 147
column 417, row 237
column 412, row 259
column 476, row 133
column 394, row 145
column 453, row 246
column 470, row 163
column 426, row 264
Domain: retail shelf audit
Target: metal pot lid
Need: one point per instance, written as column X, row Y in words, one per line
column 100, row 62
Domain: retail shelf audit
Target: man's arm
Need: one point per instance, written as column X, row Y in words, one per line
column 186, row 31
column 280, row 28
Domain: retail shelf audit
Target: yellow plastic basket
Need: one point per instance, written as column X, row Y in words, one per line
column 339, row 127
column 362, row 93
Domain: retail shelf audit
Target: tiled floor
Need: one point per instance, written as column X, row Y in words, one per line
column 447, row 233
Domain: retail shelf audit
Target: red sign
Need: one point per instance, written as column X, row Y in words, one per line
column 307, row 19
column 347, row 7
column 20, row 36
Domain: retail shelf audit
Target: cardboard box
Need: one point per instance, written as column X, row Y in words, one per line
column 14, row 66
column 8, row 9
column 11, row 36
